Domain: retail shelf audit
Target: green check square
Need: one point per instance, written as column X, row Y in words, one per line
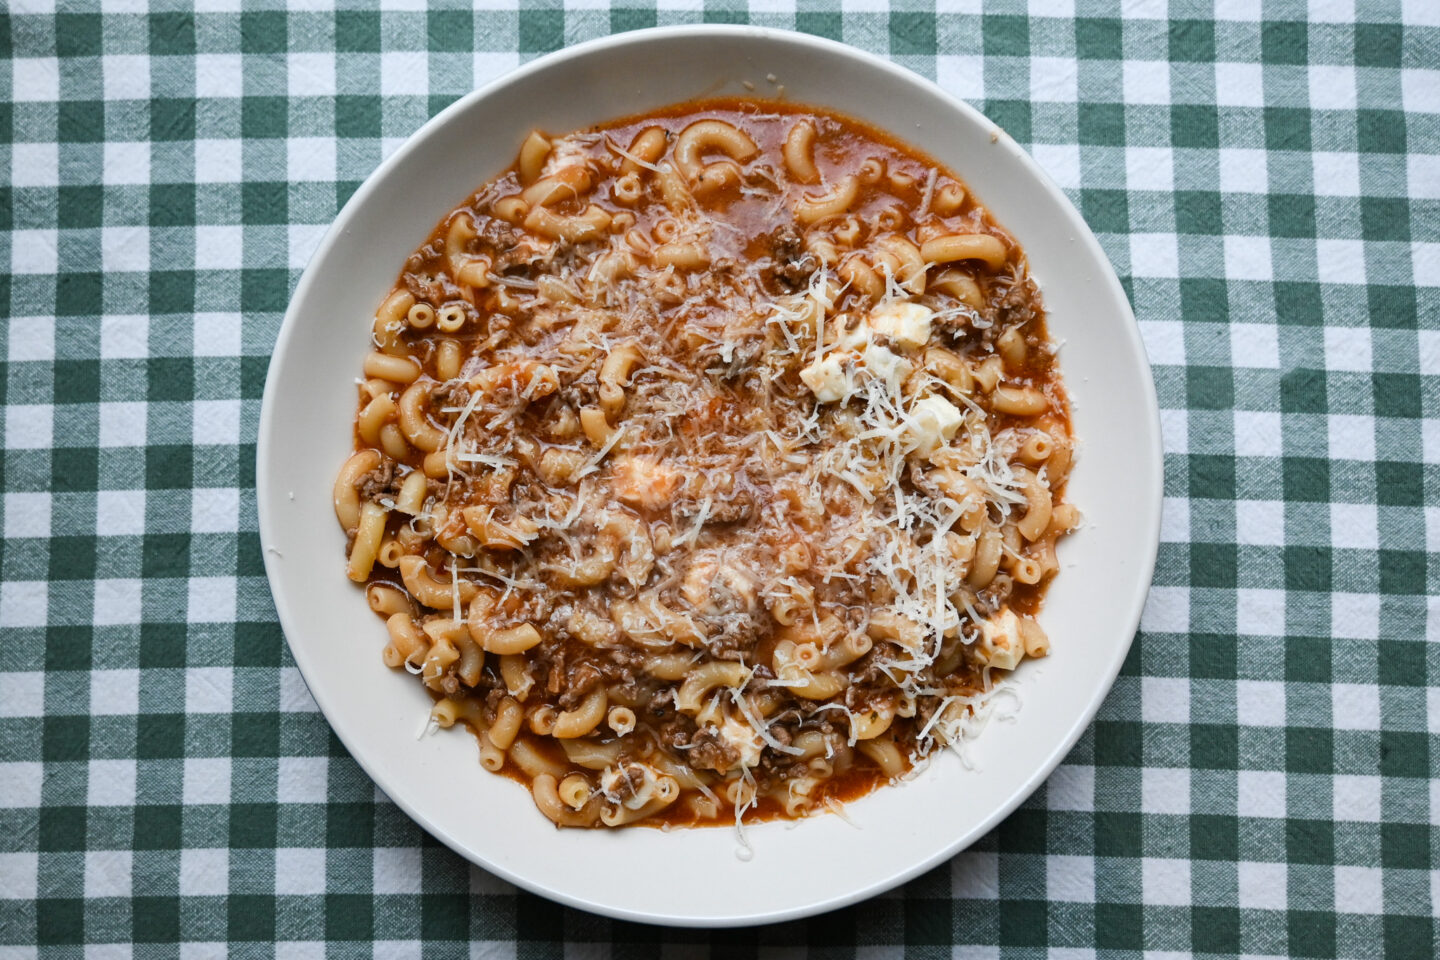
column 251, row 918
column 74, row 470
column 79, row 207
column 820, row 23
column 172, row 33
column 1392, row 307
column 1192, row 41
column 263, row 31
column 349, row 916
column 1004, row 35
column 1023, row 923
column 77, row 35
column 59, row 921
column 1099, row 38
column 156, row 919
column 1284, row 42
column 541, row 31
column 1311, row 933
column 172, row 119
column 1379, row 44
column 913, row 33
column 1194, row 125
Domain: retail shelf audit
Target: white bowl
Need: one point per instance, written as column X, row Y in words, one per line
column 693, row 877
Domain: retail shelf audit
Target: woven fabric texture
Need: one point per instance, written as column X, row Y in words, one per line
column 1262, row 779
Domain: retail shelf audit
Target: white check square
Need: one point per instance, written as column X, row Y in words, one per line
column 117, row 602
column 127, row 164
column 1070, row 879
column 311, row 74
column 24, row 603
column 34, row 252
column 1239, row 84
column 311, row 159
column 114, row 692
column 1263, row 886
column 1165, row 699
column 27, row 515
column 1165, row 790
column 1355, row 526
column 1054, row 80
column 300, row 871
column 1247, row 258
column 1255, row 345
column 1167, row 610
column 1244, row 170
column 126, row 76
column 204, row 872
column 1146, row 81
column 119, row 513
column 211, row 600
column 1420, row 90
column 209, row 689
column 1260, row 793
column 1336, row 174
column 1165, row 882
column 1359, row 890
column 214, row 510
column 124, row 337
column 19, row 873
column 1332, row 87
column 107, row 873
column 1351, row 436
column 218, row 161
column 1357, row 798
column 404, row 73
column 111, row 783
column 1355, row 616
column 35, row 165
column 22, row 694
column 216, row 422
column 219, row 75
column 35, row 79
column 123, row 424
column 397, row 870
column 32, row 339
column 219, row 248
column 217, row 335
column 1061, row 161
column 1258, row 433
column 1260, row 703
column 1355, row 706
column 1164, row 341
column 302, row 780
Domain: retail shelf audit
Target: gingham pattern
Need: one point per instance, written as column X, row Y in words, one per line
column 1262, row 781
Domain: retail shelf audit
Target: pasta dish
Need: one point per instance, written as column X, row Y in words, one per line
column 709, row 464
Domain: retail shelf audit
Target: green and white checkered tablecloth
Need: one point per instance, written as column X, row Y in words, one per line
column 1262, row 780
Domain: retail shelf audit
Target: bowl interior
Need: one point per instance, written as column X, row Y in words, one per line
column 694, row 876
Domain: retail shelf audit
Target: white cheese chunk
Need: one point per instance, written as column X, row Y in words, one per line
column 908, row 324
column 885, row 364
column 1000, row 641
column 742, row 737
column 934, row 421
column 826, row 379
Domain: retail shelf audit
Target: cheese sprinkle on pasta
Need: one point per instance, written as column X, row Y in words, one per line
column 708, row 464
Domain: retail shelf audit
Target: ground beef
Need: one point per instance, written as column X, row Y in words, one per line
column 379, row 483
column 709, row 752
column 580, row 680
column 1016, row 305
column 791, row 265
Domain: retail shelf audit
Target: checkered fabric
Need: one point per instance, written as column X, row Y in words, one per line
column 1262, row 780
